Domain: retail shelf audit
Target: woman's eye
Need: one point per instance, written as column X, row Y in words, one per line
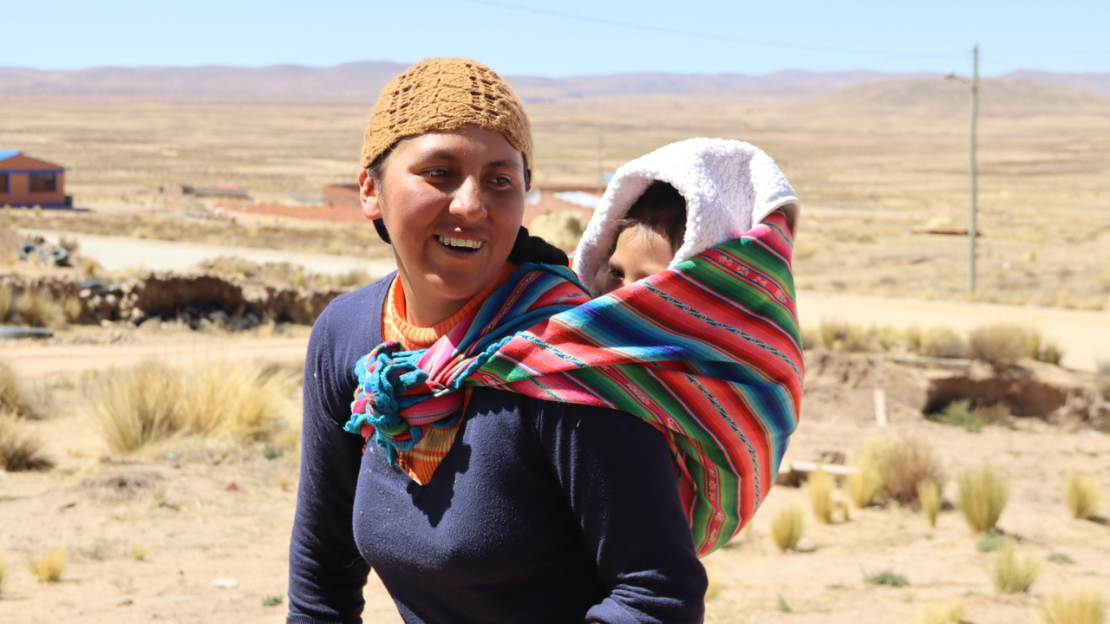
column 437, row 173
column 501, row 181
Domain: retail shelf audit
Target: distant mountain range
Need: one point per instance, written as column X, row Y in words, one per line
column 362, row 81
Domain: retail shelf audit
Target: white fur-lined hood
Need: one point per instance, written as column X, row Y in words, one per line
column 728, row 185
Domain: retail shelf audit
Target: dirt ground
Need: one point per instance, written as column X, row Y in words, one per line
column 200, row 511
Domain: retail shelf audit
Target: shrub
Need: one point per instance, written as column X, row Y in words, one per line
column 983, row 495
column 1058, row 557
column 941, row 342
column 887, row 577
column 1002, row 345
column 12, row 397
column 1011, row 574
column 961, row 414
column 48, row 567
column 903, row 465
column 991, row 543
column 786, row 528
column 928, row 493
column 1082, row 496
column 1082, row 606
column 19, row 450
column 36, row 309
column 951, row 612
column 865, row 486
column 840, row 336
column 152, row 402
column 821, row 486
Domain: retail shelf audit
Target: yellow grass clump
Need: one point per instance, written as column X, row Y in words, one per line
column 1083, row 606
column 18, row 449
column 941, row 342
column 786, row 528
column 821, row 486
column 1082, row 496
column 12, row 397
column 33, row 308
column 48, row 566
column 865, row 486
column 982, row 497
column 951, row 612
column 1002, row 345
column 1011, row 574
column 154, row 401
column 928, row 494
column 903, row 464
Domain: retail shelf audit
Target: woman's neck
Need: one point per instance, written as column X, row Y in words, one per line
column 419, row 312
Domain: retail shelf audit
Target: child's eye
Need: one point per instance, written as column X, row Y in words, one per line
column 616, row 273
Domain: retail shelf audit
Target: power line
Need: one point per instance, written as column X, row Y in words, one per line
column 709, row 36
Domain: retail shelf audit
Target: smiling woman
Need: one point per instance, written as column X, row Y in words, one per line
column 489, row 506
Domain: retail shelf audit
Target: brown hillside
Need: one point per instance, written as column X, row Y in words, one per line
column 938, row 98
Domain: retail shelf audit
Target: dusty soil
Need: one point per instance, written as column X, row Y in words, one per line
column 201, row 511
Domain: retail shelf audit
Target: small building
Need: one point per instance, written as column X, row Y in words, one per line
column 26, row 181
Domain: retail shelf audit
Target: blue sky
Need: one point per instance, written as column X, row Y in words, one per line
column 587, row 37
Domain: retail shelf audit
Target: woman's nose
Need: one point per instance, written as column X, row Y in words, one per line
column 467, row 201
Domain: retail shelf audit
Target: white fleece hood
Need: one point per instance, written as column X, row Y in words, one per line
column 728, row 185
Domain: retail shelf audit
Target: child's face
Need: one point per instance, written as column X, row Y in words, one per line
column 640, row 251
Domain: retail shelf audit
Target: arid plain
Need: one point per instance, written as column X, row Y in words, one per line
column 877, row 166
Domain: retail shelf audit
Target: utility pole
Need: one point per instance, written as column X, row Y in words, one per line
column 972, row 230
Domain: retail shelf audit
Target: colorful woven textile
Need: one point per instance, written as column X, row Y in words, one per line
column 708, row 352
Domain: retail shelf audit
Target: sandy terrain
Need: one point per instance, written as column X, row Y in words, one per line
column 207, row 511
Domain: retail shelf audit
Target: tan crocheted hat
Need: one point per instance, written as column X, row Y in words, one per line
column 445, row 94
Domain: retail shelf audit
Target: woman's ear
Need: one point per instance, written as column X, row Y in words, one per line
column 368, row 196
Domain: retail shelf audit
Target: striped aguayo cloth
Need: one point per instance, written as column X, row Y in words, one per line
column 708, row 352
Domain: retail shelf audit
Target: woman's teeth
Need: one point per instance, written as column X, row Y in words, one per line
column 460, row 242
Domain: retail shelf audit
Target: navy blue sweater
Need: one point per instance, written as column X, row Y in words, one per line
column 541, row 511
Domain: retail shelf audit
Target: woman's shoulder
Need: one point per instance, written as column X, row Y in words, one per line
column 355, row 307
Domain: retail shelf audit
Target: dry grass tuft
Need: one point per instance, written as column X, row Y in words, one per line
column 839, row 336
column 1082, row 496
column 138, row 553
column 865, row 486
column 786, row 528
column 1011, row 574
column 951, row 612
column 1082, row 606
column 153, row 402
column 928, row 494
column 940, row 342
column 48, row 567
column 1002, row 345
column 983, row 496
column 821, row 486
column 18, row 450
column 904, row 464
column 35, row 309
column 12, row 397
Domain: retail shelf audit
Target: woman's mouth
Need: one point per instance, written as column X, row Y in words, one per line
column 460, row 245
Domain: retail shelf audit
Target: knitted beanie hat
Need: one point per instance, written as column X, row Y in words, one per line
column 445, row 94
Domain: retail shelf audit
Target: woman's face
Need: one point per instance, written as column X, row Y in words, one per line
column 453, row 203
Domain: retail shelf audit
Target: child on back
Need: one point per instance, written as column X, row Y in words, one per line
column 729, row 186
